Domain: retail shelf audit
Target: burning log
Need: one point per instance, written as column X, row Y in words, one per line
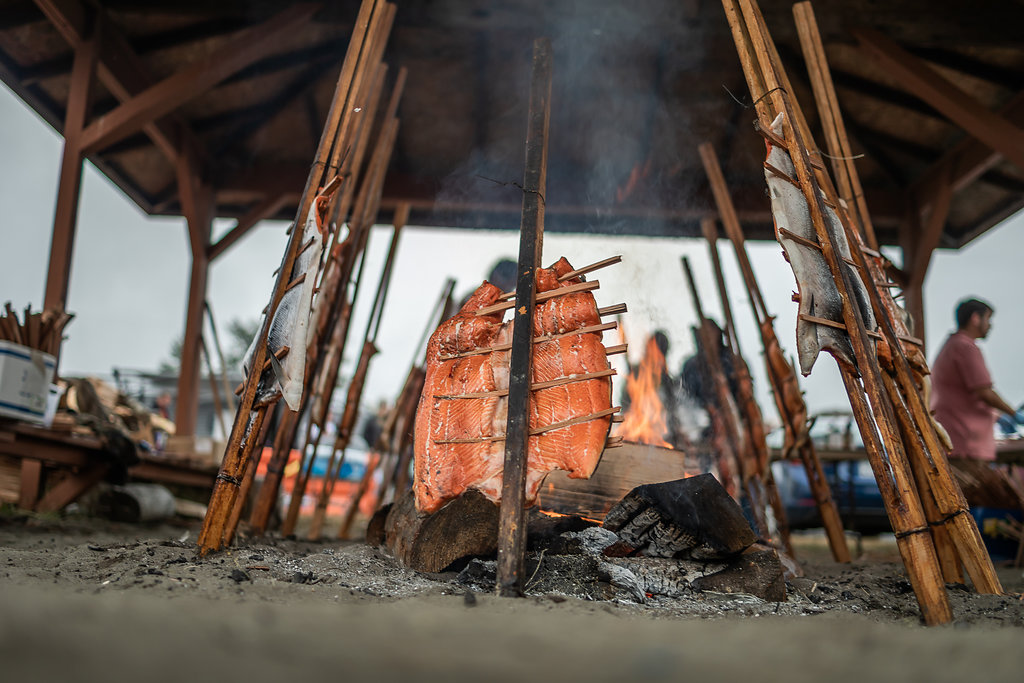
column 692, row 518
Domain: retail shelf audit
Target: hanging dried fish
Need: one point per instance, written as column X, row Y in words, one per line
column 820, row 301
column 290, row 327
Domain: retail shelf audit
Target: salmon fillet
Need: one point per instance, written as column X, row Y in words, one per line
column 443, row 470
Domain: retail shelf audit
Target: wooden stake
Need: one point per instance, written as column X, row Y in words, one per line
column 749, row 409
column 247, row 419
column 884, row 446
column 942, row 500
column 512, row 522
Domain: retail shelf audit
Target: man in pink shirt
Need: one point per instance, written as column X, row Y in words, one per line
column 962, row 395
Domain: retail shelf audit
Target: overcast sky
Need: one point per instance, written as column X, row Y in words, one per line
column 130, row 275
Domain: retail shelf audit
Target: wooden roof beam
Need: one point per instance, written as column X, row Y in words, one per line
column 265, row 209
column 1006, row 77
column 967, row 161
column 926, row 83
column 120, row 69
column 164, row 97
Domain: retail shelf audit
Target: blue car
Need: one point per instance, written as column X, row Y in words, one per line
column 853, row 489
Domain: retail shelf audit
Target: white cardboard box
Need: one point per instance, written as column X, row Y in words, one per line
column 25, row 376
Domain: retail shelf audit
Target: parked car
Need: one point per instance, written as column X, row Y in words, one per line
column 853, row 489
column 852, row 481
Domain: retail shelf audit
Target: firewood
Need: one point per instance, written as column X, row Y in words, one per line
column 693, row 518
column 465, row 527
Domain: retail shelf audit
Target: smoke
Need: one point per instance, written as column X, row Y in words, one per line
column 619, row 132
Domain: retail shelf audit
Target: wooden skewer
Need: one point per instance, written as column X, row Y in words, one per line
column 614, row 442
column 542, row 296
column 613, row 350
column 788, row 234
column 295, row 283
column 280, row 354
column 533, row 387
column 871, row 333
column 614, row 309
column 574, row 273
column 536, row 340
column 539, row 430
column 617, row 419
column 591, row 268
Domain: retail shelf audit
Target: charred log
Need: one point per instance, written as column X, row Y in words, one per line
column 690, row 518
column 465, row 527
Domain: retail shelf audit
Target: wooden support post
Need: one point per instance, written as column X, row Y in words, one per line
column 83, row 76
column 197, row 205
column 262, row 210
column 958, row 106
column 512, row 523
column 31, row 483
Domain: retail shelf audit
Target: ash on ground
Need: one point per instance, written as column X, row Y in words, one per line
column 87, row 555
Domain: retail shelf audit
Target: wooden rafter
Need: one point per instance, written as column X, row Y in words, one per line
column 926, row 83
column 966, row 162
column 265, row 209
column 119, row 68
column 164, row 97
column 69, row 188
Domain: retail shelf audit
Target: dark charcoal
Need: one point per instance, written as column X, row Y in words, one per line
column 238, row 576
column 687, row 518
column 755, row 572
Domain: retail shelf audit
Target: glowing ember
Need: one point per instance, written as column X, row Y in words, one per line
column 549, row 513
column 645, row 420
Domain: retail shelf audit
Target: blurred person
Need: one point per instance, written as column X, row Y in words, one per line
column 963, row 398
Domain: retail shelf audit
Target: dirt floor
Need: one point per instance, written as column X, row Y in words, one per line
column 88, row 600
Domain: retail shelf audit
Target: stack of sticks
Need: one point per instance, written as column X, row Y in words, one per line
column 934, row 531
column 42, row 330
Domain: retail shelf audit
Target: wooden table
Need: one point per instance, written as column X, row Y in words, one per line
column 78, row 462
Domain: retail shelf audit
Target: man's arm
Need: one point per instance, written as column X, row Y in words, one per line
column 990, row 397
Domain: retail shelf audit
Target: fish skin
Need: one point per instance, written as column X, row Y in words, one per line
column 444, row 471
column 291, row 325
column 818, row 293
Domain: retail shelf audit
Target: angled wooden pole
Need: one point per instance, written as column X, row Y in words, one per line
column 884, row 446
column 749, row 410
column 248, row 418
column 953, row 530
column 197, row 207
column 725, row 408
column 512, row 517
column 789, row 400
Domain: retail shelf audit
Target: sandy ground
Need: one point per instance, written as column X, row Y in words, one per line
column 89, row 600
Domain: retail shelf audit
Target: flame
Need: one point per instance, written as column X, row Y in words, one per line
column 645, row 420
column 549, row 513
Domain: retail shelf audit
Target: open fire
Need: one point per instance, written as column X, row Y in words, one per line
column 645, row 420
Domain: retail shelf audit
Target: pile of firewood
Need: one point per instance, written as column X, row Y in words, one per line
column 41, row 330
